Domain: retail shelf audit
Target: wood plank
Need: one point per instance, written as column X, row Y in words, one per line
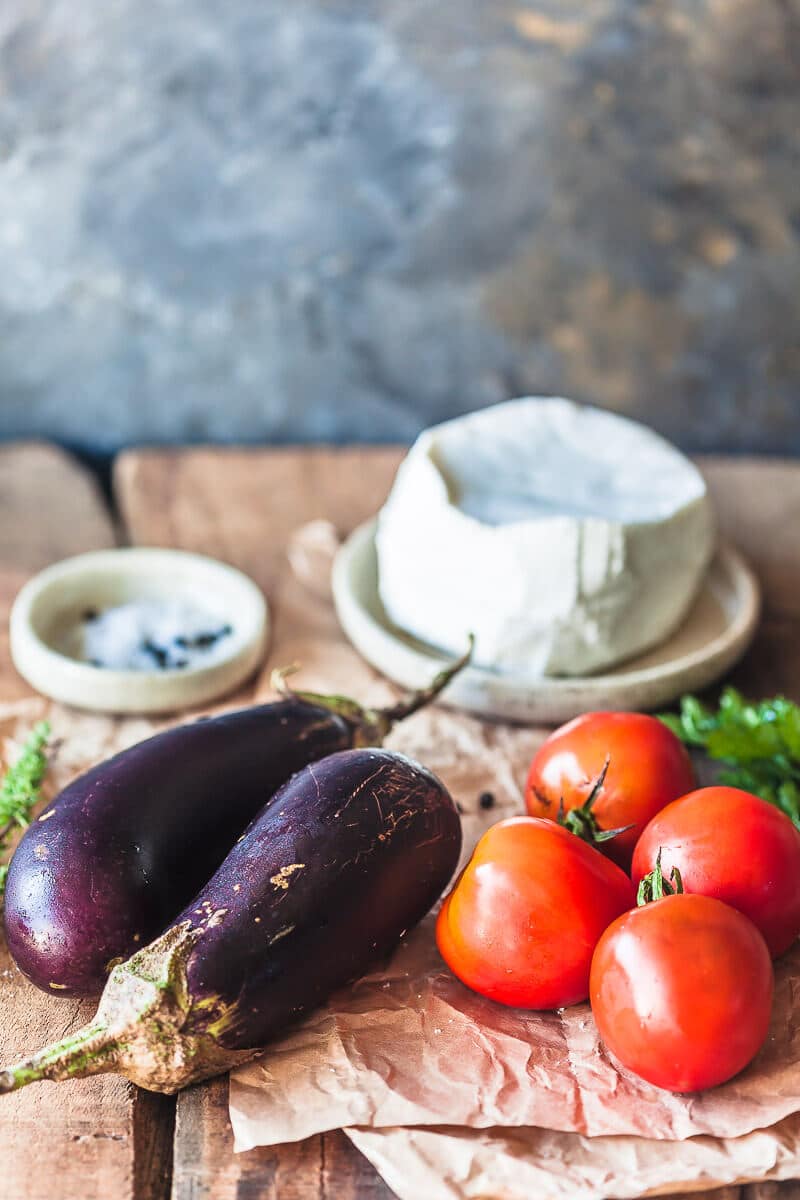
column 77, row 1140
column 205, row 1167
column 242, row 505
column 50, row 508
column 789, row 1189
column 757, row 501
column 724, row 1193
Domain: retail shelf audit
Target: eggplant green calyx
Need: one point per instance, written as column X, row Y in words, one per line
column 582, row 821
column 145, row 1028
column 371, row 725
column 656, row 886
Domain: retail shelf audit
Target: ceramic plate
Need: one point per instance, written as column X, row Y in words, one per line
column 713, row 637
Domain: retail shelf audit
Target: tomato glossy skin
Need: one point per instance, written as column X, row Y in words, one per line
column 524, row 917
column 735, row 846
column 648, row 768
column 681, row 991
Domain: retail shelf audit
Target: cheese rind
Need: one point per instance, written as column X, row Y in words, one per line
column 565, row 538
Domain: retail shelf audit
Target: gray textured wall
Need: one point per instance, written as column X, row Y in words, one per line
column 326, row 220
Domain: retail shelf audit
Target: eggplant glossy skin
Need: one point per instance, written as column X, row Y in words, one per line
column 352, row 852
column 124, row 847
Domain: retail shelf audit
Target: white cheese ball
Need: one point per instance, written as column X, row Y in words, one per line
column 567, row 539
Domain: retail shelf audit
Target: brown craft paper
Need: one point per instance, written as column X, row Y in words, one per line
column 409, row 1045
column 523, row 1164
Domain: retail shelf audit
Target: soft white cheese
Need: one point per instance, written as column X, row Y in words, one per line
column 565, row 538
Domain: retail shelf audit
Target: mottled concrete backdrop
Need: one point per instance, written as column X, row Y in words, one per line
column 320, row 219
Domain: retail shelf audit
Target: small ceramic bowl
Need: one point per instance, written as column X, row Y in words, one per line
column 50, row 608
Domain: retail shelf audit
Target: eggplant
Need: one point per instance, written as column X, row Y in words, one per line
column 351, row 853
column 122, row 849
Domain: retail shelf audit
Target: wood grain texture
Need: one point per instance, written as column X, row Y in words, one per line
column 49, row 508
column 205, row 1168
column 787, row 1190
column 757, row 501
column 76, row 1140
column 242, row 506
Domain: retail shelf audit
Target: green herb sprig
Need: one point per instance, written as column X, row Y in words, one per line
column 20, row 788
column 759, row 744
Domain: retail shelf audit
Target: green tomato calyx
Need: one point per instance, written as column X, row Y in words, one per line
column 655, row 885
column 582, row 821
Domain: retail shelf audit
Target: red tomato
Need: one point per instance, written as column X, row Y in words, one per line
column 647, row 768
column 681, row 991
column 524, row 917
column 735, row 846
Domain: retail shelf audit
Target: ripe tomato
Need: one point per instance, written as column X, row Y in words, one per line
column 647, row 768
column 733, row 845
column 524, row 917
column 681, row 991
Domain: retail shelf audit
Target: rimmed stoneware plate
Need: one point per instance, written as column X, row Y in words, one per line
column 713, row 637
column 48, row 609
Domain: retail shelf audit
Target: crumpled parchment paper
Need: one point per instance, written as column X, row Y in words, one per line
column 519, row 1164
column 408, row 1045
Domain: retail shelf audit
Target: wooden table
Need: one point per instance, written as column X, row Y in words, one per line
column 102, row 1139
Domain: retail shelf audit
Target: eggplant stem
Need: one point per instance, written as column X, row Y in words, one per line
column 279, row 676
column 89, row 1051
column 371, row 725
column 418, row 699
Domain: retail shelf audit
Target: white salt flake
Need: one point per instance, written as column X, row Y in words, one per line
column 154, row 635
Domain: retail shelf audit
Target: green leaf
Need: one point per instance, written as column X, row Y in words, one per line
column 673, row 722
column 789, row 727
column 20, row 788
column 759, row 744
column 788, row 798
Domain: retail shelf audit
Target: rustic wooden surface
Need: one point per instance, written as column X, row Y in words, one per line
column 85, row 1143
column 242, row 506
column 101, row 1138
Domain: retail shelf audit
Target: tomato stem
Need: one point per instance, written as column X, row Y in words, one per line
column 582, row 821
column 655, row 886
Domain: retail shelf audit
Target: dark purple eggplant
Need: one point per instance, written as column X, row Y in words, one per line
column 123, row 848
column 351, row 853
